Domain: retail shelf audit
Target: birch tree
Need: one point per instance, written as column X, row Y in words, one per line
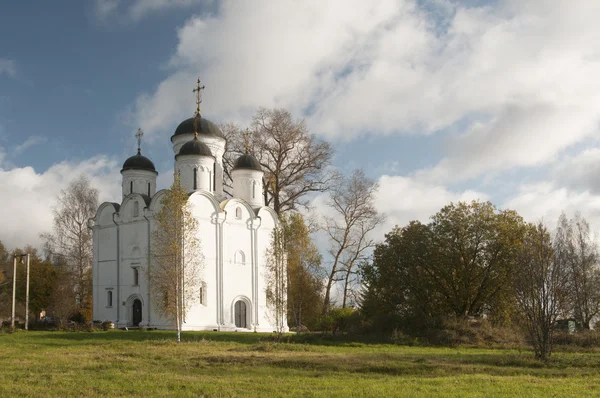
column 276, row 281
column 70, row 242
column 175, row 263
column 353, row 217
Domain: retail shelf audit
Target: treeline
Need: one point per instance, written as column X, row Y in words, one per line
column 60, row 280
column 473, row 261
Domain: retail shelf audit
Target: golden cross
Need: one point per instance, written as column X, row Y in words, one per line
column 199, row 96
column 247, row 135
column 139, row 136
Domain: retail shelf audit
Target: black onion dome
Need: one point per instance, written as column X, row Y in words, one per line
column 195, row 147
column 247, row 161
column 138, row 162
column 205, row 128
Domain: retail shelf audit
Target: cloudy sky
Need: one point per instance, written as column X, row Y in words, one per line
column 440, row 100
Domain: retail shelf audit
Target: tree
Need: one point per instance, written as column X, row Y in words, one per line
column 175, row 260
column 42, row 279
column 294, row 161
column 276, row 280
column 539, row 288
column 578, row 253
column 354, row 217
column 303, row 272
column 459, row 265
column 71, row 239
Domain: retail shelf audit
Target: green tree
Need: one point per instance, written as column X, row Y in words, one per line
column 304, row 272
column 42, row 279
column 175, row 261
column 459, row 265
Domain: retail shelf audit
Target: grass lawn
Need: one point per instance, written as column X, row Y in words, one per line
column 137, row 363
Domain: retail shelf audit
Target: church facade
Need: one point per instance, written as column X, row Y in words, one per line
column 234, row 232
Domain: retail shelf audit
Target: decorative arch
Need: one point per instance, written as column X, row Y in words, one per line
column 135, row 315
column 239, row 257
column 100, row 213
column 246, row 317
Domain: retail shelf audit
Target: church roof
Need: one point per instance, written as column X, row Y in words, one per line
column 247, row 161
column 205, row 128
column 195, row 147
column 138, row 162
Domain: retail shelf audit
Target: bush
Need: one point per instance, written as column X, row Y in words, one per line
column 106, row 325
column 585, row 338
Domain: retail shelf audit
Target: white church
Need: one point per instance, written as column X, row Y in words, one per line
column 234, row 233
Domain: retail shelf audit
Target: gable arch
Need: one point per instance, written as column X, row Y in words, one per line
column 104, row 214
column 230, row 205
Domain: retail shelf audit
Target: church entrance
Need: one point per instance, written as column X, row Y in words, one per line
column 240, row 314
column 137, row 312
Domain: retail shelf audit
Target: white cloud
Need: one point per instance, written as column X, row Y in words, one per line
column 27, row 197
column 139, row 9
column 516, row 81
column 29, row 142
column 8, row 67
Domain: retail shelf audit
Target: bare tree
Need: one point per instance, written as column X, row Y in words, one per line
column 176, row 260
column 293, row 160
column 579, row 254
column 71, row 239
column 354, row 217
column 276, row 281
column 539, row 287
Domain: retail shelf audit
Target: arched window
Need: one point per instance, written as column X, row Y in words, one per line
column 195, row 178
column 130, row 186
column 109, row 298
column 239, row 257
column 203, row 293
column 209, row 179
column 238, row 213
column 136, row 276
column 148, row 189
column 136, row 209
column 253, row 189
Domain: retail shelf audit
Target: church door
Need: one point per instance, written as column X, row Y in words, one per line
column 240, row 314
column 137, row 312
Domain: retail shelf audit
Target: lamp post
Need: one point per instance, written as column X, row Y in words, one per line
column 12, row 318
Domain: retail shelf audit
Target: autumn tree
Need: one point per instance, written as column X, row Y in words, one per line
column 459, row 265
column 42, row 279
column 578, row 253
column 353, row 216
column 276, row 280
column 539, row 287
column 70, row 241
column 294, row 161
column 175, row 260
column 304, row 272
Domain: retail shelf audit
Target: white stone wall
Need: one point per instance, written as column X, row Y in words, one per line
column 140, row 180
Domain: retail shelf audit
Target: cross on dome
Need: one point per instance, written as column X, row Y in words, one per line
column 198, row 91
column 246, row 136
column 139, row 136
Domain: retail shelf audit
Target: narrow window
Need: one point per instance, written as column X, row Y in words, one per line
column 130, row 186
column 209, row 179
column 148, row 189
column 195, row 178
column 109, row 298
column 203, row 293
column 253, row 189
column 238, row 213
column 136, row 276
column 214, row 179
column 136, row 209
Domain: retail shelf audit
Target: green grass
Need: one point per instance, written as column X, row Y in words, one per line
column 133, row 363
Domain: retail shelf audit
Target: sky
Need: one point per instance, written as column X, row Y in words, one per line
column 438, row 100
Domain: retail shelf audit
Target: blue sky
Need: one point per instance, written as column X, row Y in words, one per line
column 441, row 100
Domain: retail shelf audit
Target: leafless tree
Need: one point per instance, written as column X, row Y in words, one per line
column 578, row 252
column 294, row 161
column 540, row 290
column 175, row 261
column 70, row 242
column 354, row 217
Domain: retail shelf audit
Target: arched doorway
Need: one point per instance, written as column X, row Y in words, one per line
column 137, row 312
column 240, row 314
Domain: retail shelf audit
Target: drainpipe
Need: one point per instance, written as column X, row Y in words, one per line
column 118, row 271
